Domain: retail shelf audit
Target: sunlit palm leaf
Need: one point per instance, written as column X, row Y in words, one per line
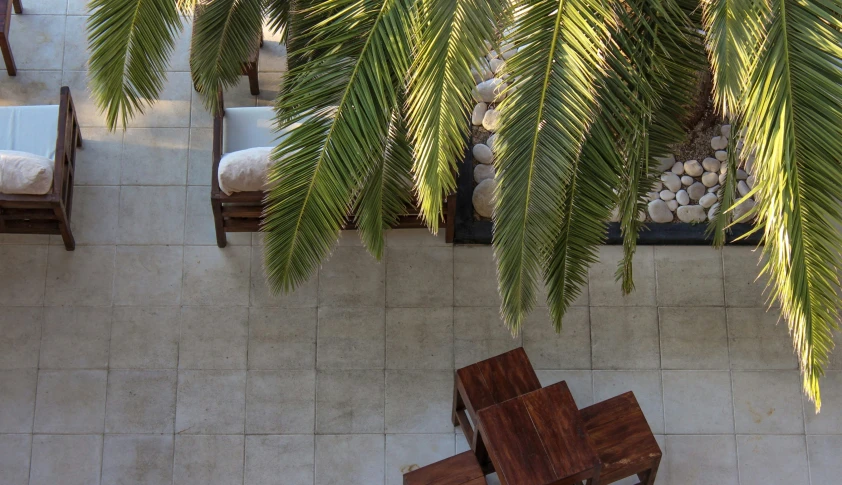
column 794, row 121
column 387, row 190
column 131, row 42
column 357, row 53
column 727, row 192
column 543, row 125
column 278, row 15
column 450, row 42
column 224, row 34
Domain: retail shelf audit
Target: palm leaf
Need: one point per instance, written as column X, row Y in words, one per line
column 794, row 121
column 131, row 42
column 450, row 40
column 543, row 126
column 727, row 192
column 387, row 189
column 343, row 96
column 278, row 16
column 224, row 34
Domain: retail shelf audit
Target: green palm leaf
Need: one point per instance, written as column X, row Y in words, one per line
column 343, row 96
column 542, row 129
column 131, row 42
column 450, row 40
column 794, row 121
column 387, row 189
column 224, row 34
column 278, row 16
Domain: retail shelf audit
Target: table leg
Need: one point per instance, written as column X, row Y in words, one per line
column 18, row 6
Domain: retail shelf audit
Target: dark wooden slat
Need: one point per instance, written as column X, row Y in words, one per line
column 462, row 469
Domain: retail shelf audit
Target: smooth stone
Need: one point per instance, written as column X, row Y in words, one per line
column 671, row 181
column 725, row 130
column 659, row 211
column 707, row 200
column 682, row 197
column 678, row 168
column 721, row 155
column 712, row 190
column 491, row 90
column 667, row 194
column 497, row 65
column 478, row 113
column 477, row 76
column 696, row 191
column 723, row 168
column 687, row 180
column 711, row 164
column 658, row 186
column 742, row 188
column 719, row 143
column 482, row 153
column 691, row 213
column 741, row 174
column 492, row 54
column 653, row 195
column 750, row 181
column 615, row 215
column 712, row 211
column 742, row 208
column 673, row 205
column 483, row 172
column 507, row 54
column 693, row 168
column 490, row 141
column 491, row 120
column 475, row 95
column 483, row 197
column 710, row 179
column 750, row 163
column 722, row 177
column 665, row 162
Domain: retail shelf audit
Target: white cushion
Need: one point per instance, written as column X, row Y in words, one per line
column 31, row 129
column 25, row 173
column 244, row 170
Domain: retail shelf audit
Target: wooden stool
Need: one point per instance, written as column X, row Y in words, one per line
column 5, row 20
column 487, row 383
column 623, row 440
column 462, row 469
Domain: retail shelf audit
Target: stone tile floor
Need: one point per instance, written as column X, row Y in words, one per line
column 150, row 356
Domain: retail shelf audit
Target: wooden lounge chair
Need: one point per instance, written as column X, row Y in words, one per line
column 57, row 135
column 5, row 20
column 241, row 128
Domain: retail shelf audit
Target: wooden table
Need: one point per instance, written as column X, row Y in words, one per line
column 539, row 439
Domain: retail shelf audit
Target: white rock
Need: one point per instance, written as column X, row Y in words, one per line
column 490, row 141
column 491, row 120
column 742, row 208
column 497, row 65
column 740, row 145
column 483, row 172
column 696, row 191
column 477, row 76
column 750, row 181
column 667, row 194
column 750, row 163
column 492, row 54
column 725, row 130
column 671, row 181
column 719, row 143
column 677, row 168
column 721, row 155
column 712, row 211
column 742, row 188
column 673, row 205
column 665, row 162
column 707, row 200
column 722, row 177
column 658, row 186
column 615, row 215
column 691, row 213
column 741, row 174
column 693, row 168
column 711, row 164
column 491, row 90
column 687, row 180
column 712, row 190
column 659, row 211
column 723, row 168
column 682, row 197
column 483, row 197
column 710, row 179
column 653, row 195
column 478, row 113
column 482, row 153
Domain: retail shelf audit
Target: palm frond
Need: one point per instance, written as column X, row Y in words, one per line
column 278, row 16
column 131, row 42
column 186, row 7
column 450, row 40
column 343, row 96
column 224, row 34
column 727, row 192
column 794, row 122
column 387, row 190
column 545, row 118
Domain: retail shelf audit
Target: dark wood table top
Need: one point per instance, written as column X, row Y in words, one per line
column 539, row 438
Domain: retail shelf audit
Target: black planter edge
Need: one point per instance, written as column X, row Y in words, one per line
column 471, row 231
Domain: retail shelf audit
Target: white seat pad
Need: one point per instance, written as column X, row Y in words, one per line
column 31, row 129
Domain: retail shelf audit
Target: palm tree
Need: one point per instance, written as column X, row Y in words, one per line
column 596, row 89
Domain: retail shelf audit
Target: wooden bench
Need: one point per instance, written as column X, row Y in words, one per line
column 48, row 213
column 462, row 469
column 5, row 20
column 622, row 439
column 241, row 211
